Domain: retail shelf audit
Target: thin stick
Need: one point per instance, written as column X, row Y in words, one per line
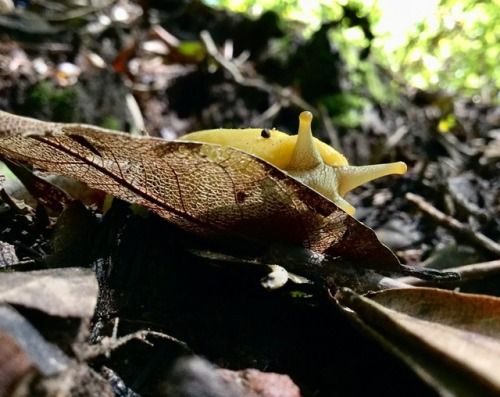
column 284, row 94
column 476, row 238
column 472, row 272
column 109, row 344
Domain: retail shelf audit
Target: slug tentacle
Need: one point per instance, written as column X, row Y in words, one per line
column 304, row 157
column 350, row 177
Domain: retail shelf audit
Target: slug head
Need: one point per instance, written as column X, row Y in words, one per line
column 309, row 160
column 332, row 180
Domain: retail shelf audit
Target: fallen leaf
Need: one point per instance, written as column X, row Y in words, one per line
column 28, row 362
column 203, row 188
column 8, row 255
column 67, row 292
column 15, row 365
column 452, row 340
column 45, row 192
column 255, row 383
column 28, row 345
column 193, row 376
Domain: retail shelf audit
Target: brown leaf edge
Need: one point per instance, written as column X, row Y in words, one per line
column 464, row 323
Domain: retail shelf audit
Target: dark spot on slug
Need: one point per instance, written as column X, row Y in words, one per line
column 265, row 133
column 240, row 197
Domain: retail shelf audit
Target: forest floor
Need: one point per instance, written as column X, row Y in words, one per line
column 182, row 325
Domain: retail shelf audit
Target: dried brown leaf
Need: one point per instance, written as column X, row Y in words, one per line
column 203, row 188
column 8, row 255
column 30, row 365
column 192, row 376
column 451, row 339
column 26, row 343
column 68, row 292
column 45, row 192
column 255, row 383
column 15, row 365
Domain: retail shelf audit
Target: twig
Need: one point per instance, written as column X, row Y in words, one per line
column 476, row 238
column 472, row 272
column 269, row 114
column 329, row 127
column 284, row 94
column 109, row 344
column 79, row 12
column 395, row 138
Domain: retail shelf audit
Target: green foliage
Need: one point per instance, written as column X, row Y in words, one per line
column 53, row 102
column 457, row 49
column 65, row 104
column 111, row 123
column 310, row 14
column 345, row 108
column 193, row 50
column 333, row 65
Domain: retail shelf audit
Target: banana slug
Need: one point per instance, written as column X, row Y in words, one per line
column 302, row 156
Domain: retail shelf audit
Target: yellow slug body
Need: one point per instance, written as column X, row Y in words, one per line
column 304, row 157
column 277, row 149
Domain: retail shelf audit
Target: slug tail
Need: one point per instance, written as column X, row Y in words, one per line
column 351, row 177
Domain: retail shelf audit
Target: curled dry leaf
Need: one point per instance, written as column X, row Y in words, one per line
column 45, row 192
column 452, row 340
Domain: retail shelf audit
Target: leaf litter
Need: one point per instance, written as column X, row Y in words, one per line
column 441, row 375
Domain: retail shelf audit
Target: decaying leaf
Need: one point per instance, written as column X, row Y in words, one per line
column 8, row 255
column 203, row 188
column 15, row 365
column 45, row 192
column 30, row 365
column 25, row 342
column 206, row 189
column 67, row 292
column 452, row 340
column 192, row 376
